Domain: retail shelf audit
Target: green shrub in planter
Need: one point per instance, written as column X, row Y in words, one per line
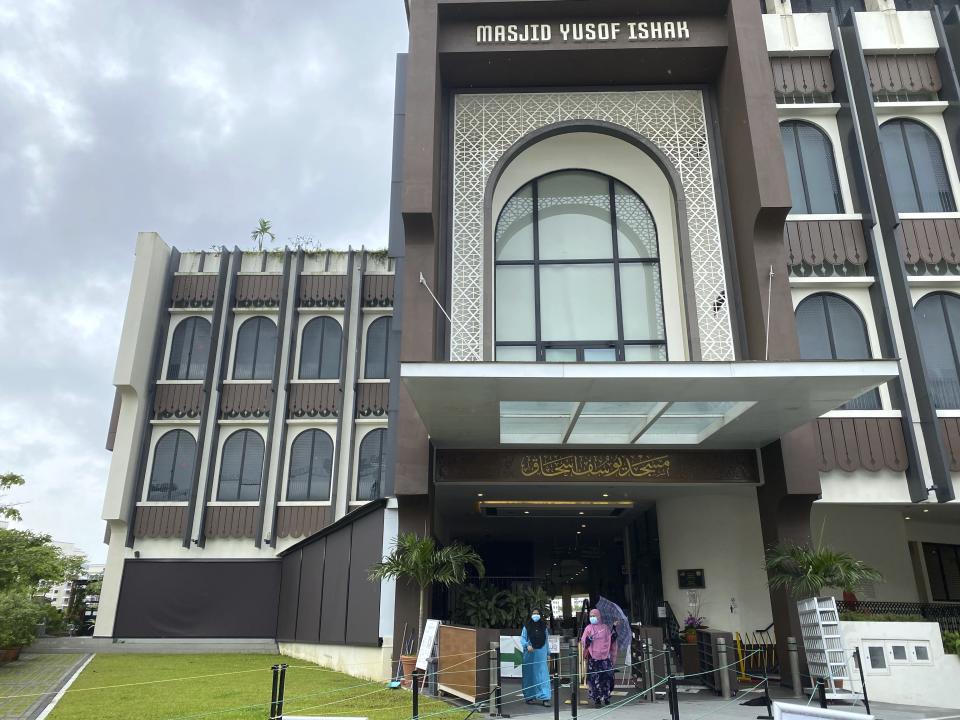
column 19, row 615
column 851, row 616
column 951, row 643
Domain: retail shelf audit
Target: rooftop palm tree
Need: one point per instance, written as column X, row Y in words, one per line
column 804, row 570
column 263, row 230
column 421, row 561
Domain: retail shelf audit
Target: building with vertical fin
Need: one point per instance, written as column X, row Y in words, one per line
column 667, row 283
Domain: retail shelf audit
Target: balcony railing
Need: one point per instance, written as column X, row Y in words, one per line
column 259, row 290
column 240, row 401
column 372, row 399
column 378, row 290
column 930, row 246
column 802, row 79
column 176, row 401
column 903, row 78
column 860, row 443
column 323, row 290
column 825, row 248
column 314, row 400
column 193, row 291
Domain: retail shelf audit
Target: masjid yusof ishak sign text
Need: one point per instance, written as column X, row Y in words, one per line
column 583, row 32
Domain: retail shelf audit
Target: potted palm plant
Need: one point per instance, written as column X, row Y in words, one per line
column 420, row 561
column 804, row 570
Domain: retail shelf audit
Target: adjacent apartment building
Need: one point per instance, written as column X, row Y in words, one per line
column 667, row 283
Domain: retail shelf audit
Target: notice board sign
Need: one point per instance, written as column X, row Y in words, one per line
column 789, row 711
column 691, row 579
column 427, row 643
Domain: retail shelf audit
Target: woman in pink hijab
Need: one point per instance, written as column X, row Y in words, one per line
column 599, row 642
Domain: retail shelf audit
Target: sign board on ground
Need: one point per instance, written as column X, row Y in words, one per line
column 554, row 641
column 426, row 643
column 789, row 711
column 511, row 656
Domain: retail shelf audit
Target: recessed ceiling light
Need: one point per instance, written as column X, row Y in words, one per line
column 526, row 512
column 479, row 494
column 906, row 517
column 606, row 494
column 583, row 526
column 581, row 512
column 926, row 509
column 578, row 532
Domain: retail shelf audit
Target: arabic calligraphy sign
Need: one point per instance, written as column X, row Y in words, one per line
column 591, row 466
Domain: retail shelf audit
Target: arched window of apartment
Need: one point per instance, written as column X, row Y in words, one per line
column 814, row 185
column 830, row 327
column 377, row 348
column 578, row 273
column 938, row 329
column 172, row 473
column 320, row 349
column 256, row 350
column 241, row 467
column 371, row 470
column 189, row 349
column 311, row 467
column 917, row 172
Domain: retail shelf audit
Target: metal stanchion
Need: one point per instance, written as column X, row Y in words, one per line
column 793, row 656
column 283, row 679
column 415, row 684
column 766, row 699
column 575, row 680
column 724, row 671
column 273, row 692
column 673, row 698
column 556, row 687
column 822, row 692
column 863, row 682
column 651, row 674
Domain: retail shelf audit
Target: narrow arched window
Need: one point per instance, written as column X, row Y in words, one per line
column 371, row 470
column 189, row 349
column 256, row 350
column 320, row 349
column 938, row 329
column 814, row 185
column 172, row 473
column 241, row 467
column 377, row 348
column 311, row 465
column 915, row 167
column 577, row 273
column 830, row 327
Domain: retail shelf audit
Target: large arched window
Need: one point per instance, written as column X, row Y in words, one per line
column 830, row 327
column 256, row 350
column 311, row 466
column 172, row 472
column 938, row 329
column 377, row 349
column 577, row 273
column 917, row 172
column 320, row 349
column 241, row 467
column 814, row 185
column 371, row 470
column 189, row 349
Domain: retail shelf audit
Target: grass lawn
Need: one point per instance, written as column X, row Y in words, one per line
column 244, row 693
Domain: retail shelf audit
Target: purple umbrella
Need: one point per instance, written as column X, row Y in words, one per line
column 611, row 613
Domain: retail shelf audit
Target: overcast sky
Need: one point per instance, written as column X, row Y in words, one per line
column 191, row 118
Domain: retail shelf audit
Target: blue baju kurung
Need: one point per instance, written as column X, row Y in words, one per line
column 536, row 677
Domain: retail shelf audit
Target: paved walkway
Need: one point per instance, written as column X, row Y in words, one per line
column 33, row 674
column 701, row 705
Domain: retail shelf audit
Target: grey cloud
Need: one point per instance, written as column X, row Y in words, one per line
column 189, row 118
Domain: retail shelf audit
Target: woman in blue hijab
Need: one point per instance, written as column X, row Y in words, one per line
column 536, row 678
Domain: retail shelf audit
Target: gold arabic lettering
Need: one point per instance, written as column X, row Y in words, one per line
column 595, row 466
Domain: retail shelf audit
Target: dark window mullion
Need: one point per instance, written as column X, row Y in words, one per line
column 313, row 439
column 830, row 338
column 951, row 336
column 616, row 267
column 189, row 365
column 911, row 166
column 173, row 465
column 536, row 269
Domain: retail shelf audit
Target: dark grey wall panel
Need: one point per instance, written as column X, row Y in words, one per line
column 289, row 597
column 198, row 599
column 311, row 592
column 364, row 596
column 336, row 575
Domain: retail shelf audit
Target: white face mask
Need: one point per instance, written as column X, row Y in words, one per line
column 535, row 617
column 594, row 620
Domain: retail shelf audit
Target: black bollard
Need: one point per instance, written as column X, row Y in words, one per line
column 415, row 684
column 673, row 698
column 863, row 682
column 822, row 692
column 575, row 682
column 273, row 692
column 556, row 688
column 283, row 679
column 497, row 691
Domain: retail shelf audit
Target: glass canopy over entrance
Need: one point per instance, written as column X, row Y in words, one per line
column 722, row 405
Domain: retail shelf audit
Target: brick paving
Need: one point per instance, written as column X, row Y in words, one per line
column 30, row 675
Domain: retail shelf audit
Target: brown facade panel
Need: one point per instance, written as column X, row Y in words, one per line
column 323, row 290
column 194, row 291
column 159, row 521
column 230, row 521
column 258, row 290
column 929, row 242
column 950, row 431
column 802, row 75
column 246, row 400
column 903, row 74
column 867, row 443
column 314, row 400
column 378, row 290
column 372, row 399
column 302, row 520
column 817, row 243
column 178, row 400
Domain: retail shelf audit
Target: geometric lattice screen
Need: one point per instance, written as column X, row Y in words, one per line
column 487, row 125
